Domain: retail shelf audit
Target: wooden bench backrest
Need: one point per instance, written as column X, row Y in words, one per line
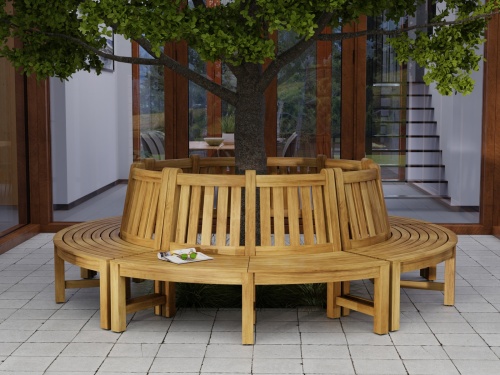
column 227, row 165
column 216, row 165
column 194, row 164
column 205, row 211
column 345, row 165
column 145, row 195
column 295, row 165
column 298, row 214
column 186, row 164
column 363, row 214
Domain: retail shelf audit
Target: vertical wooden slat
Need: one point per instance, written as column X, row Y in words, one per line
column 375, row 207
column 361, row 215
column 137, row 203
column 369, row 216
column 250, row 212
column 319, row 211
column 235, row 219
column 307, row 217
column 147, row 200
column 207, row 215
column 193, row 213
column 278, row 206
column 222, row 213
column 182, row 219
column 265, row 216
column 333, row 213
column 352, row 213
column 293, row 214
column 153, row 208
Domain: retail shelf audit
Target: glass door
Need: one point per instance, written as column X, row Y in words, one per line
column 13, row 191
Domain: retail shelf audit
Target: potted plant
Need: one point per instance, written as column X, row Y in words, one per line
column 227, row 124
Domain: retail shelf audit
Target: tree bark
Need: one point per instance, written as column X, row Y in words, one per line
column 250, row 152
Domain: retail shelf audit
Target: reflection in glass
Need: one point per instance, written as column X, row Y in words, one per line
column 197, row 102
column 297, row 102
column 152, row 103
column 336, row 97
column 11, row 210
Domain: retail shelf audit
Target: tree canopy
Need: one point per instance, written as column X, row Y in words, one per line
column 61, row 37
column 65, row 36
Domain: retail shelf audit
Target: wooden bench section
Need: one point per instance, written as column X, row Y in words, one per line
column 408, row 244
column 304, row 211
column 316, row 257
column 191, row 201
column 93, row 244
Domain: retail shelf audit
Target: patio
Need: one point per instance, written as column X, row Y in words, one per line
column 38, row 336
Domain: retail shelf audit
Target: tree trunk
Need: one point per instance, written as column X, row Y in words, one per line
column 250, row 152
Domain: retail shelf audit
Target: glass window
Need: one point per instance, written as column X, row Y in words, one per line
column 152, row 106
column 296, row 110
column 13, row 211
column 198, row 120
column 336, row 97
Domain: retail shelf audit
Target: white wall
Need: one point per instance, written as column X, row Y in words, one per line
column 459, row 120
column 91, row 123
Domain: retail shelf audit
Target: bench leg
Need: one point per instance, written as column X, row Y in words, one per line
column 429, row 273
column 59, row 278
column 449, row 280
column 169, row 308
column 346, row 289
column 381, row 302
column 394, row 296
column 118, row 299
column 247, row 309
column 104, row 292
column 333, row 290
column 159, row 289
column 87, row 274
column 254, row 303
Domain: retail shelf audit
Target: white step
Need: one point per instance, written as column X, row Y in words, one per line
column 421, row 128
column 425, row 173
column 430, row 143
column 416, row 157
column 419, row 101
column 417, row 114
column 417, row 88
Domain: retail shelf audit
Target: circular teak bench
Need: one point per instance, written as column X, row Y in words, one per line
column 303, row 208
column 364, row 230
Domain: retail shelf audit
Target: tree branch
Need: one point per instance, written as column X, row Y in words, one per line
column 293, row 52
column 163, row 60
column 357, row 34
